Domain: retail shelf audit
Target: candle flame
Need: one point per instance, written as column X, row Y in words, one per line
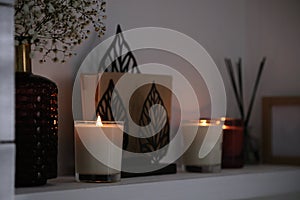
column 99, row 123
column 203, row 122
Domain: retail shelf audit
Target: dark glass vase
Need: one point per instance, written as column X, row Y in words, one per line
column 36, row 124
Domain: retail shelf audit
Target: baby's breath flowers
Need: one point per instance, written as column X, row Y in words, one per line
column 54, row 27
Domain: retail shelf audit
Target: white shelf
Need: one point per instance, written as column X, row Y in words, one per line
column 248, row 182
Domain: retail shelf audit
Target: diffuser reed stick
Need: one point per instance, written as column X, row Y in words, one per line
column 239, row 96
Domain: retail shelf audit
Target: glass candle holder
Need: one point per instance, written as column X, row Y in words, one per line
column 208, row 139
column 98, row 151
column 233, row 140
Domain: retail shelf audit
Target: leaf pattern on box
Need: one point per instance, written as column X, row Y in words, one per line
column 114, row 58
column 104, row 109
column 152, row 143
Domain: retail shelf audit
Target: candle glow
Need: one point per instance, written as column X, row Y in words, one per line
column 99, row 122
column 204, row 122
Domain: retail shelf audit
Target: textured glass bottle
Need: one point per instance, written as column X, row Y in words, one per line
column 36, row 123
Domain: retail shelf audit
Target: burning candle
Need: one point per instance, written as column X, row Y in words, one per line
column 205, row 151
column 98, row 150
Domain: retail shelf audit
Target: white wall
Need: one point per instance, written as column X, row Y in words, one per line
column 231, row 28
column 7, row 106
column 272, row 29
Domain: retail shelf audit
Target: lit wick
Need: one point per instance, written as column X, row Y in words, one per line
column 99, row 123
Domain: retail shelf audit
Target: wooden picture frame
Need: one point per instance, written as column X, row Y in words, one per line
column 281, row 130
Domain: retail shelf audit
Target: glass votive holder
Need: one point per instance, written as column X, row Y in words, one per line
column 233, row 141
column 208, row 139
column 98, row 151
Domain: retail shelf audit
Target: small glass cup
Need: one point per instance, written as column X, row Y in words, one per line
column 212, row 144
column 233, row 141
column 98, row 151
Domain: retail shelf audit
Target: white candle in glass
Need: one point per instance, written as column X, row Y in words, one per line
column 98, row 151
column 211, row 162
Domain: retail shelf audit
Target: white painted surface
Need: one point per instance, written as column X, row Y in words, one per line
column 7, row 2
column 7, row 82
column 250, row 182
column 272, row 29
column 7, row 171
column 7, row 101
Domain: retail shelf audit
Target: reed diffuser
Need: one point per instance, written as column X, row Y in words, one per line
column 251, row 153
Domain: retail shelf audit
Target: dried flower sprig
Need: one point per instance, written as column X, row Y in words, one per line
column 54, row 27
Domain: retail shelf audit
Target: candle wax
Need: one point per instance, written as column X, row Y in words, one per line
column 98, row 150
column 191, row 156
